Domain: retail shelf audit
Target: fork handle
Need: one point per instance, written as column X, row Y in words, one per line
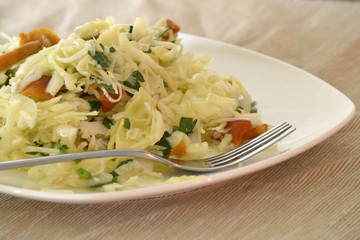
column 79, row 156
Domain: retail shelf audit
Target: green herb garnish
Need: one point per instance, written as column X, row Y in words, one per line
column 165, row 144
column 10, row 73
column 64, row 90
column 186, row 125
column 166, row 30
column 102, row 46
column 40, row 153
column 126, row 123
column 94, row 105
column 165, row 84
column 112, row 49
column 96, row 79
column 83, row 173
column 115, row 174
column 62, row 148
column 100, row 58
column 131, row 27
column 39, row 143
column 238, row 109
column 102, row 184
column 134, row 81
column 107, row 123
column 253, row 107
column 139, row 77
column 108, row 88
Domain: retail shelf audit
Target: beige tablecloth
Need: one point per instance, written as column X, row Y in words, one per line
column 315, row 195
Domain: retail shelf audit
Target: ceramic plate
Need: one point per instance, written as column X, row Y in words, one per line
column 283, row 93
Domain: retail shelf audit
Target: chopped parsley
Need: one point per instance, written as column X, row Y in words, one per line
column 134, row 81
column 64, row 90
column 186, row 125
column 253, row 107
column 115, row 174
column 107, row 123
column 10, row 73
column 102, row 184
column 126, row 123
column 239, row 108
column 40, row 153
column 112, row 49
column 166, row 30
column 108, row 88
column 102, row 46
column 96, row 79
column 94, row 105
column 164, row 144
column 62, row 148
column 39, row 143
column 83, row 173
column 100, row 58
column 165, row 84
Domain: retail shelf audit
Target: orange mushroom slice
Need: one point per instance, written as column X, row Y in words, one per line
column 37, row 89
column 179, row 150
column 242, row 129
column 10, row 58
column 46, row 35
column 30, row 43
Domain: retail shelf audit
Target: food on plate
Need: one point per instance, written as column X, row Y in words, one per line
column 110, row 86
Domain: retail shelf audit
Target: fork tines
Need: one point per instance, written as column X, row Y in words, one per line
column 249, row 149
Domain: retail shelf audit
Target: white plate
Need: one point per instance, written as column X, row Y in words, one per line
column 283, row 93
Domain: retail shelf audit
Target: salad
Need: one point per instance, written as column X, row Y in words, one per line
column 109, row 86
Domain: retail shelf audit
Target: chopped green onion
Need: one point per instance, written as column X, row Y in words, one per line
column 126, row 123
column 112, row 50
column 83, row 173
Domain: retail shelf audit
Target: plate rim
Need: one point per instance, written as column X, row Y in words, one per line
column 218, row 177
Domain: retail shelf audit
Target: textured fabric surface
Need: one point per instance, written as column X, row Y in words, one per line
column 315, row 195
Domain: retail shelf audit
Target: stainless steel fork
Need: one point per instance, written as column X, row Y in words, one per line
column 217, row 162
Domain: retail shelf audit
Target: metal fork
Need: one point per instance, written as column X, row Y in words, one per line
column 217, row 162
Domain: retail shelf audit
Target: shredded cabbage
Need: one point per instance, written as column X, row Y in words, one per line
column 147, row 83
